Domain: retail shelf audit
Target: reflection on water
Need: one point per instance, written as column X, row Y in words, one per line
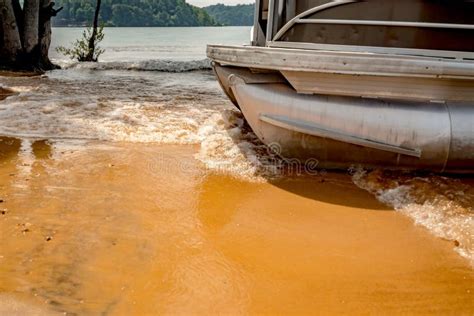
column 121, row 228
column 41, row 149
column 9, row 147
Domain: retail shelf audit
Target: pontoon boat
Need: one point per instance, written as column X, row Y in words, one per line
column 377, row 83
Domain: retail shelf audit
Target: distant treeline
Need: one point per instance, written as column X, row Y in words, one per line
column 151, row 13
column 241, row 14
column 133, row 13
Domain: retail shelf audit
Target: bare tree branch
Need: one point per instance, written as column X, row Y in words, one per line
column 95, row 24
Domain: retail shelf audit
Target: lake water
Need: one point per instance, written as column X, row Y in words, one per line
column 151, row 44
column 134, row 186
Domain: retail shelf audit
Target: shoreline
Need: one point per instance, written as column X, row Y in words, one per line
column 132, row 27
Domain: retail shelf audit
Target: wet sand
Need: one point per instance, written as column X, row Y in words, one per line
column 123, row 228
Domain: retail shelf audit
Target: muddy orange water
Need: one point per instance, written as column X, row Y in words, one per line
column 94, row 228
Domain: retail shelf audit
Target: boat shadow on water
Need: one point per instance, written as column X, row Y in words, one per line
column 354, row 186
column 302, row 177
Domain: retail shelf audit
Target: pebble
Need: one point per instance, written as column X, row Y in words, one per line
column 25, row 227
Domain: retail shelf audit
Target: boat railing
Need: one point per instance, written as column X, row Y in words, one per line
column 275, row 34
column 300, row 18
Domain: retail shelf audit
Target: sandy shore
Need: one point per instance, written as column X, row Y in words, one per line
column 103, row 228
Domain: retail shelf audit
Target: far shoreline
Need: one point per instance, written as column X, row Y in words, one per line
column 200, row 26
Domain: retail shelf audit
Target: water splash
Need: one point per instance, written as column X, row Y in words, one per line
column 149, row 107
column 445, row 206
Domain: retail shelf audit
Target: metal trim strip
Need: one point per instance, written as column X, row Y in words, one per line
column 386, row 23
column 315, row 129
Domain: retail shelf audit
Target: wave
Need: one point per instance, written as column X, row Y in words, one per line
column 163, row 108
column 162, row 65
column 445, row 206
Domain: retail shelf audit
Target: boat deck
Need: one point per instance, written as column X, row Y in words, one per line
column 361, row 74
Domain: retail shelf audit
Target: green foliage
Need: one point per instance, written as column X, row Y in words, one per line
column 241, row 14
column 133, row 13
column 80, row 48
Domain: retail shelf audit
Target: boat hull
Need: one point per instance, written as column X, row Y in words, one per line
column 338, row 132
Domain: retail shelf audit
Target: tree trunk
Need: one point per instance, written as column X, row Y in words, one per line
column 45, row 34
column 11, row 48
column 25, row 34
column 95, row 24
column 31, row 24
column 19, row 17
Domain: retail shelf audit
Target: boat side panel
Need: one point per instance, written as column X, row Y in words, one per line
column 341, row 62
column 424, row 89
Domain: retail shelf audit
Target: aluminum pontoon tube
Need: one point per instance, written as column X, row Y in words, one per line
column 343, row 131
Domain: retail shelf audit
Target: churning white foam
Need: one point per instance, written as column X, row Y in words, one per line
column 229, row 146
column 445, row 206
column 167, row 108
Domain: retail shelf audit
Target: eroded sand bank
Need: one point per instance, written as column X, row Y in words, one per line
column 123, row 228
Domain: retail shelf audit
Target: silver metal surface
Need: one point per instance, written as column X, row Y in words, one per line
column 342, row 62
column 461, row 153
column 343, row 131
column 270, row 23
column 377, row 86
column 387, row 23
column 448, row 54
column 314, row 129
column 224, row 73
